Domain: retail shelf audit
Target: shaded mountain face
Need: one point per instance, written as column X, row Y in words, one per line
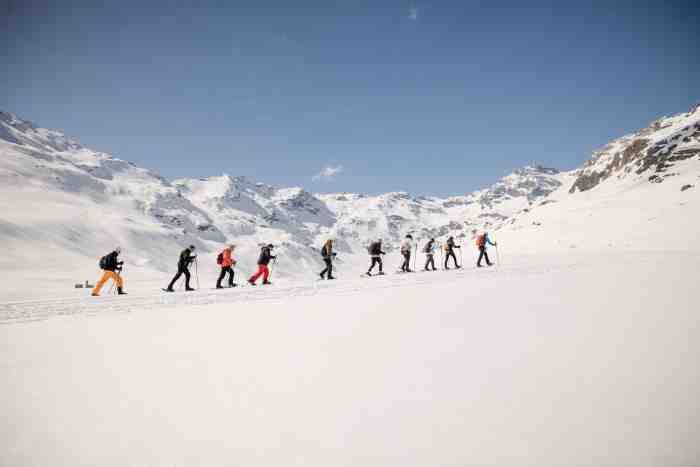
column 650, row 153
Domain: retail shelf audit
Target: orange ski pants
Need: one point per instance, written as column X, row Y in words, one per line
column 105, row 277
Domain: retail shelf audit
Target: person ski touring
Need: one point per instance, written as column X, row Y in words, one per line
column 429, row 251
column 111, row 268
column 328, row 256
column 263, row 260
column 450, row 252
column 226, row 261
column 375, row 252
column 406, row 247
column 183, row 267
column 481, row 241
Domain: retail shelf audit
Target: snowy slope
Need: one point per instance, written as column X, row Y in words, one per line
column 549, row 361
column 641, row 192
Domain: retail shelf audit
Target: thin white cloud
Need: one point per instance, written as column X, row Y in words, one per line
column 413, row 13
column 327, row 173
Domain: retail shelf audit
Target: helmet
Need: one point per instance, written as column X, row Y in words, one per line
column 232, row 246
column 270, row 245
column 118, row 250
column 192, row 247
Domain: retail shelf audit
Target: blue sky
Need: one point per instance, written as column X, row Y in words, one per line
column 433, row 98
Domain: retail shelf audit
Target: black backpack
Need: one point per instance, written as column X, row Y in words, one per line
column 220, row 258
column 103, row 262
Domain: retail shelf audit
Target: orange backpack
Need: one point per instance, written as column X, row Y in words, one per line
column 481, row 240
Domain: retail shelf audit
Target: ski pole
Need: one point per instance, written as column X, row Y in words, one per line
column 498, row 253
column 196, row 271
column 460, row 258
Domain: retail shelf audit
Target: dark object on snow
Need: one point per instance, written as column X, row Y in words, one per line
column 686, row 187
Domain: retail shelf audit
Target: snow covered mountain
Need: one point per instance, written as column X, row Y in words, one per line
column 77, row 203
column 640, row 192
column 64, row 205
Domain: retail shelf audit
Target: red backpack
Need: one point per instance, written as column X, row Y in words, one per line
column 481, row 240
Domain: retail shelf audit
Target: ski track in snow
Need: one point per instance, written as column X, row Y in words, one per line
column 37, row 310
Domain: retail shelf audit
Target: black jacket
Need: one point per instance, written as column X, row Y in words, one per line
column 265, row 256
column 111, row 263
column 450, row 245
column 186, row 258
column 375, row 249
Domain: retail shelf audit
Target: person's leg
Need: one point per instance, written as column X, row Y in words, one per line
column 177, row 276
column 222, row 274
column 325, row 270
column 118, row 279
column 266, row 273
column 257, row 274
column 329, row 267
column 379, row 261
column 186, row 272
column 230, row 276
column 481, row 255
column 486, row 257
column 371, row 266
column 100, row 283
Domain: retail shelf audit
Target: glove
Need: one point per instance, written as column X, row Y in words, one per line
column 335, row 254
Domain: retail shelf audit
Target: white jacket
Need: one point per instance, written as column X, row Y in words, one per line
column 406, row 245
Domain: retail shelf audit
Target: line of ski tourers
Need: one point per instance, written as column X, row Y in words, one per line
column 112, row 267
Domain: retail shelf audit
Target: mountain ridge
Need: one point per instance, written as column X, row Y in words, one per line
column 79, row 202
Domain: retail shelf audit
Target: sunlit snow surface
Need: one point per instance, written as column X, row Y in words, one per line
column 584, row 360
column 580, row 348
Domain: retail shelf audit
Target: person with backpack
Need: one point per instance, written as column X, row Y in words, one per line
column 111, row 268
column 450, row 252
column 406, row 247
column 183, row 267
column 375, row 252
column 328, row 256
column 263, row 260
column 226, row 262
column 481, row 242
column 429, row 251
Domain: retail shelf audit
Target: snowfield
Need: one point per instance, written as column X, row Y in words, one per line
column 578, row 360
column 580, row 348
